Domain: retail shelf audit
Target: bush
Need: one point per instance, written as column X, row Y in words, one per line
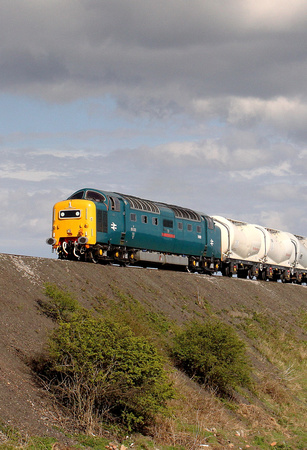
column 213, row 354
column 60, row 305
column 100, row 369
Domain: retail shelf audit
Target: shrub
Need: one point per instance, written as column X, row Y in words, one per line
column 60, row 304
column 213, row 354
column 100, row 369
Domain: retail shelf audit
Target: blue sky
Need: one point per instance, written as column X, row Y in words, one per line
column 201, row 104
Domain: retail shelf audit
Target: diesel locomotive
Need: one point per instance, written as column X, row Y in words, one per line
column 108, row 227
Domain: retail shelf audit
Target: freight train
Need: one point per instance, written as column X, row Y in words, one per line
column 108, row 227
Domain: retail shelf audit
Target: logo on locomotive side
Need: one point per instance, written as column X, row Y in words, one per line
column 113, row 226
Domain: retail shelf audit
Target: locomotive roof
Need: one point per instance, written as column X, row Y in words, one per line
column 145, row 205
column 150, row 206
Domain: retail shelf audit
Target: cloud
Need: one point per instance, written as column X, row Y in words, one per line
column 276, row 14
column 157, row 55
column 280, row 112
column 21, row 173
column 200, row 103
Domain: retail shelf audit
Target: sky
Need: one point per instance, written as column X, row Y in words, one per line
column 198, row 103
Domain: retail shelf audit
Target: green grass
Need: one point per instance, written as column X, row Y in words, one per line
column 279, row 386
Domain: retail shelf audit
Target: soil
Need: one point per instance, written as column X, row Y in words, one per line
column 180, row 296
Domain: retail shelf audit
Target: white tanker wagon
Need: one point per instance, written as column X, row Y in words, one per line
column 302, row 252
column 255, row 251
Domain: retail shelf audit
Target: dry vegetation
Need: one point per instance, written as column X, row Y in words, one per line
column 269, row 317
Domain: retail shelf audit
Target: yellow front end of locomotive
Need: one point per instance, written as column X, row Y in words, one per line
column 72, row 220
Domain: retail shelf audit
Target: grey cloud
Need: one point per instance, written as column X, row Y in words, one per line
column 160, row 50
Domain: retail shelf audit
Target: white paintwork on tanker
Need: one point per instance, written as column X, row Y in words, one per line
column 240, row 240
column 221, row 223
column 262, row 256
column 281, row 250
column 302, row 252
column 254, row 243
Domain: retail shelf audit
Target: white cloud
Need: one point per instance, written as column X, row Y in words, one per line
column 280, row 112
column 279, row 170
column 28, row 175
column 275, row 14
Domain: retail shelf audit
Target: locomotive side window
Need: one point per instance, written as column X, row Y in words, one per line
column 180, row 226
column 168, row 223
column 155, row 220
column 95, row 196
column 198, row 229
column 144, row 219
column 189, row 227
column 210, row 223
column 115, row 204
column 133, row 217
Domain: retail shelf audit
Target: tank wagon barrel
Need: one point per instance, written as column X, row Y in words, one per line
column 108, row 227
column 255, row 251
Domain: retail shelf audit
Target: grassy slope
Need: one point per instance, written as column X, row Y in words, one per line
column 270, row 317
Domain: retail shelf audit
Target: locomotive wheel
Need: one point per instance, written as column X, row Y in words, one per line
column 94, row 258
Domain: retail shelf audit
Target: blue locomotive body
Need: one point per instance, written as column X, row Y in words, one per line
column 128, row 229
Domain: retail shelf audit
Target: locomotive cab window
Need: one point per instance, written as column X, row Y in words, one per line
column 95, row 196
column 76, row 196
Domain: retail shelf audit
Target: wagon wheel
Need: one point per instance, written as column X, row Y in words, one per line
column 228, row 272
